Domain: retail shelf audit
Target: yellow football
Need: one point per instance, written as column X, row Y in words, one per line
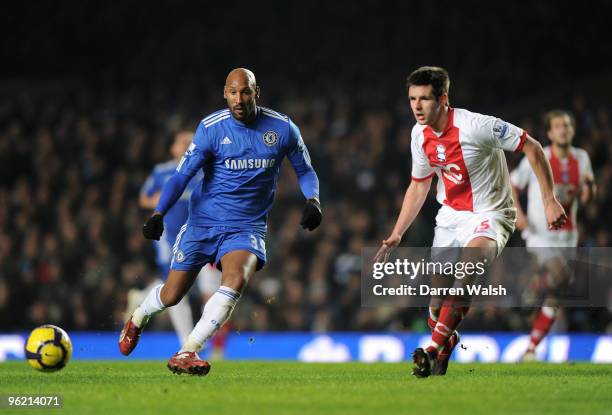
column 48, row 348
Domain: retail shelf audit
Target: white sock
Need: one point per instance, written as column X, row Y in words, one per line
column 216, row 312
column 182, row 319
column 150, row 306
column 432, row 315
column 549, row 312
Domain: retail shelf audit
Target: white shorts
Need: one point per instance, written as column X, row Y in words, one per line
column 550, row 245
column 455, row 228
column 561, row 239
column 209, row 279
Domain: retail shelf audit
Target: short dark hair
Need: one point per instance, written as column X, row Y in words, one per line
column 430, row 75
column 556, row 114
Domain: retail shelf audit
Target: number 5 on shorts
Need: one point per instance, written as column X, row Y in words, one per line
column 484, row 226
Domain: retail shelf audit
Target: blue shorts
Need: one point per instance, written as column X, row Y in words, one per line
column 197, row 246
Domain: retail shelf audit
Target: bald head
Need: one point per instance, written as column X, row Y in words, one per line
column 241, row 76
column 241, row 92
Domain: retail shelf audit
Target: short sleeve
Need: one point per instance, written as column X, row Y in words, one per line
column 586, row 170
column 521, row 174
column 498, row 133
column 197, row 153
column 421, row 170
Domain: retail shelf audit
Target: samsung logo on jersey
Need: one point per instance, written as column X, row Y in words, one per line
column 244, row 164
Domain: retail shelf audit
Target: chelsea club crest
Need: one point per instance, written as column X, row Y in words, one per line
column 270, row 138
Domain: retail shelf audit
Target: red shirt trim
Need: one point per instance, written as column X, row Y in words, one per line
column 522, row 142
column 422, row 179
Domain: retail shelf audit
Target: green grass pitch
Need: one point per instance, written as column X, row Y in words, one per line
column 137, row 387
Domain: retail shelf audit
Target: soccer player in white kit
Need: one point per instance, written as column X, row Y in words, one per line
column 465, row 151
column 573, row 181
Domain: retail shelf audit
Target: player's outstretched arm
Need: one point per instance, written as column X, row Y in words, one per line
column 309, row 184
column 413, row 202
column 555, row 214
column 307, row 177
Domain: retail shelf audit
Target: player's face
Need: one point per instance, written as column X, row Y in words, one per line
column 241, row 98
column 561, row 131
column 180, row 144
column 425, row 107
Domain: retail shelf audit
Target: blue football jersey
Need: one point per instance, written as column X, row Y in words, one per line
column 177, row 215
column 241, row 163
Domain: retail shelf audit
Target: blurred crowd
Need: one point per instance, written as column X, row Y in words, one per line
column 73, row 158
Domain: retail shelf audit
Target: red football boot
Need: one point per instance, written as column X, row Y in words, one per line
column 188, row 362
column 128, row 339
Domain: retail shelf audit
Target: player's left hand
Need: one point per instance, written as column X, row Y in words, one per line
column 555, row 214
column 311, row 216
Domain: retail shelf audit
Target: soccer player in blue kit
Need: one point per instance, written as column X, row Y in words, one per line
column 240, row 150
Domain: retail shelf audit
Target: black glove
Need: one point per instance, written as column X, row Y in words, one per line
column 311, row 216
column 153, row 227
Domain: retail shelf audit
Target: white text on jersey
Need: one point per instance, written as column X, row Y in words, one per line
column 243, row 164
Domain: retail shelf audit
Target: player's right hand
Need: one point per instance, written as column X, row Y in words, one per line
column 388, row 245
column 153, row 227
column 555, row 214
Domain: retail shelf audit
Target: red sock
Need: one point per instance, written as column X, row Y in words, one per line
column 452, row 312
column 541, row 326
column 432, row 320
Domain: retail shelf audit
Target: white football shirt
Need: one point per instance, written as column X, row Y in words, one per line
column 468, row 159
